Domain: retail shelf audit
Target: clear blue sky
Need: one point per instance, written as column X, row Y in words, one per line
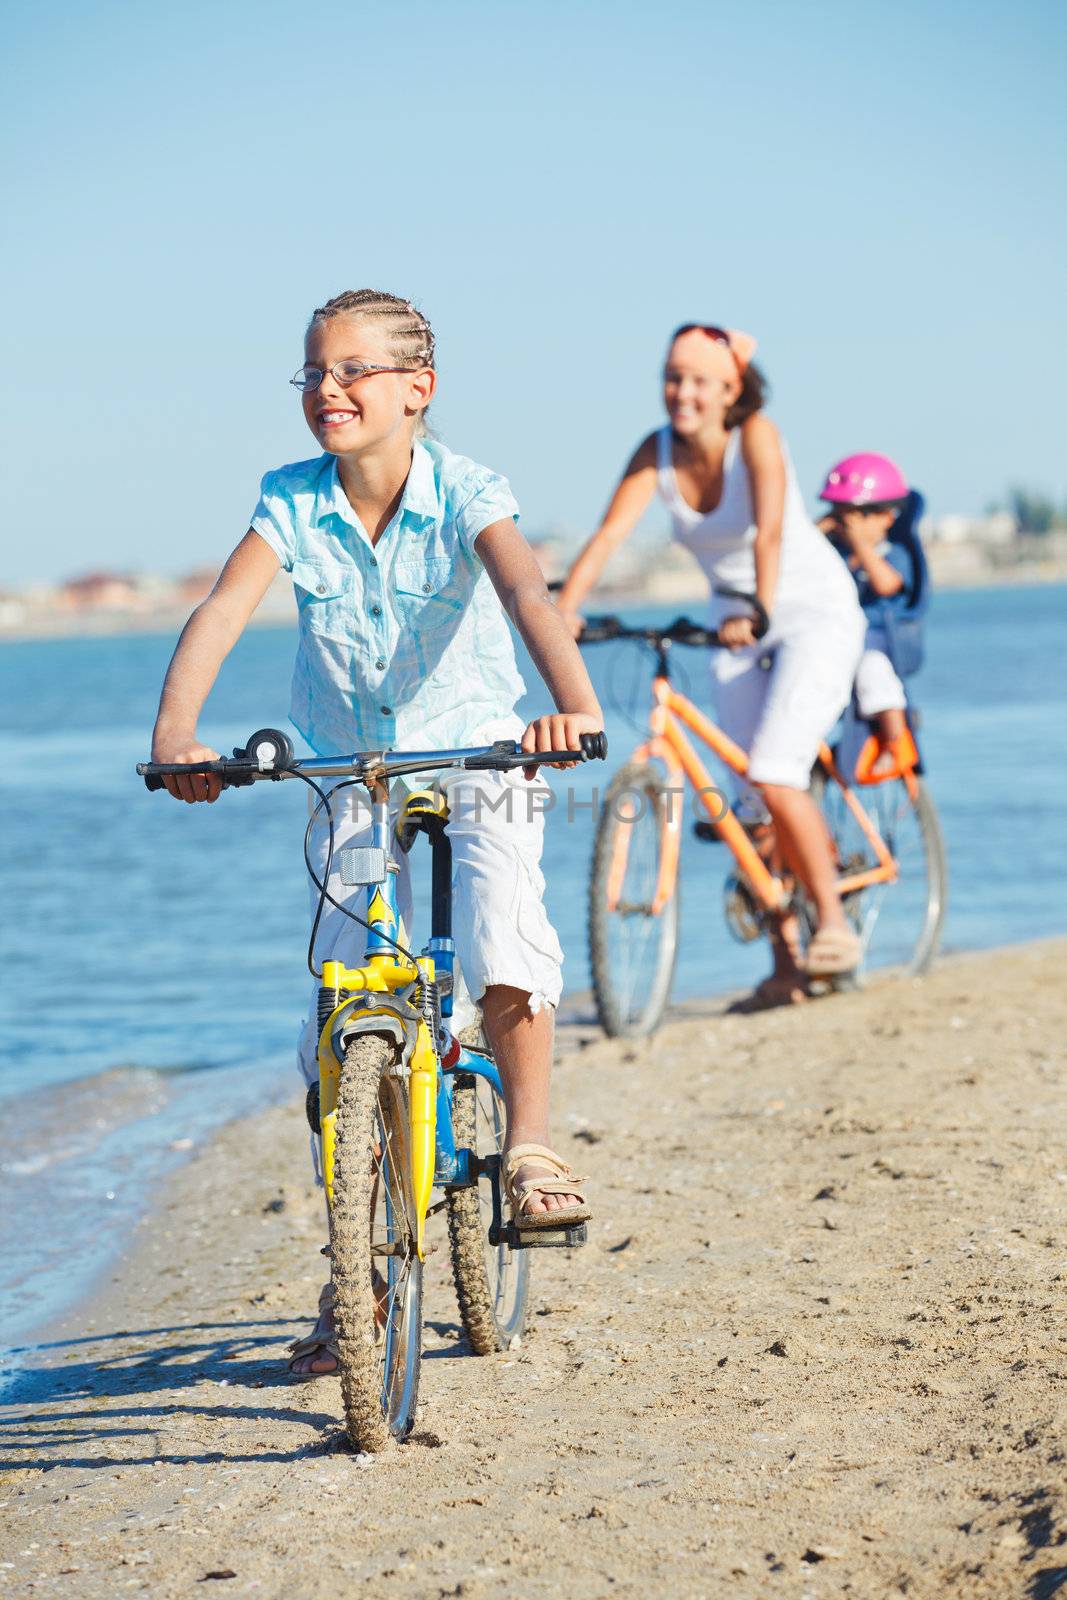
column 876, row 191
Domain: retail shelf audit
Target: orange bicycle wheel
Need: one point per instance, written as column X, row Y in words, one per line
column 899, row 923
column 633, row 941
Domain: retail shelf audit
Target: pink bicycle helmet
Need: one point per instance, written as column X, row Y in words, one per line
column 864, row 480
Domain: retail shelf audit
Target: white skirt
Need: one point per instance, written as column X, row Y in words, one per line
column 779, row 699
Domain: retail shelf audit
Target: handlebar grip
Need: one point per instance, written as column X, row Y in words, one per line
column 763, row 621
column 594, row 746
column 234, row 774
column 599, row 629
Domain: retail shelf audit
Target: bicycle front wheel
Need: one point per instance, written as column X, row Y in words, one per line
column 377, row 1274
column 899, row 923
column 492, row 1281
column 633, row 943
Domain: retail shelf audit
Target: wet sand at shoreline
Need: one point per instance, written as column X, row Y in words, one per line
column 815, row 1347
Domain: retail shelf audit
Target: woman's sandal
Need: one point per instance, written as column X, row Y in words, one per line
column 558, row 1180
column 832, row 952
column 318, row 1344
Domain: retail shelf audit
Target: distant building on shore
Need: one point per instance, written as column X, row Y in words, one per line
column 99, row 591
column 996, row 528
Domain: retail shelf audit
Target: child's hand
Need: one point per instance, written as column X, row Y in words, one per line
column 562, row 731
column 198, row 785
column 860, row 531
column 736, row 632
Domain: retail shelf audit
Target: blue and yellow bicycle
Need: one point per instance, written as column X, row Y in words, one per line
column 401, row 1106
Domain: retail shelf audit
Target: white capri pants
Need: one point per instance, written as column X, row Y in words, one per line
column 781, row 714
column 877, row 686
column 499, row 922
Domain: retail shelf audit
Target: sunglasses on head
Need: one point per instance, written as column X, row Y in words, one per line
column 720, row 335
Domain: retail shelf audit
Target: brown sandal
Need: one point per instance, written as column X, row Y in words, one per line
column 316, row 1343
column 558, row 1180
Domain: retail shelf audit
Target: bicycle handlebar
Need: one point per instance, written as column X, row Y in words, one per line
column 269, row 755
column 599, row 629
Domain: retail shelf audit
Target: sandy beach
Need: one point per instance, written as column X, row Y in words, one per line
column 815, row 1347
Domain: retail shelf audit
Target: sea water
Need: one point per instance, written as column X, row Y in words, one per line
column 153, row 954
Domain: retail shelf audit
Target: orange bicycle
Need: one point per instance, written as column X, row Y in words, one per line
column 889, row 849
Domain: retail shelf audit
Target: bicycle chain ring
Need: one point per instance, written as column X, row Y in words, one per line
column 743, row 913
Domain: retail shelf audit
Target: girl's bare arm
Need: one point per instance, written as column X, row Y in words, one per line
column 630, row 500
column 206, row 641
column 518, row 581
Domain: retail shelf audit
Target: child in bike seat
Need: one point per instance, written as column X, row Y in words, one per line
column 873, row 526
column 407, row 562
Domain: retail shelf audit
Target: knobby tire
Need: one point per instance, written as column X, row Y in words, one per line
column 379, row 1376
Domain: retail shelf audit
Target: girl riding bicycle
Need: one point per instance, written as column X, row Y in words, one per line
column 725, row 475
column 396, row 546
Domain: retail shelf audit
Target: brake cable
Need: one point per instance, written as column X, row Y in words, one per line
column 320, row 884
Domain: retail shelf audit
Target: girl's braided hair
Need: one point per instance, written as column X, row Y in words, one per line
column 407, row 330
column 410, row 335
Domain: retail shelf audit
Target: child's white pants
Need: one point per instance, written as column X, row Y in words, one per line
column 877, row 686
column 500, row 926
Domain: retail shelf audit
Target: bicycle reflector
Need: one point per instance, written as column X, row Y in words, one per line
column 363, row 864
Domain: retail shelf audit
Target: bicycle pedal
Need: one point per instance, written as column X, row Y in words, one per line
column 540, row 1238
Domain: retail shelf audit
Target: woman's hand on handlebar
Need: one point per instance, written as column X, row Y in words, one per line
column 562, row 731
column 187, row 747
column 737, row 632
column 574, row 620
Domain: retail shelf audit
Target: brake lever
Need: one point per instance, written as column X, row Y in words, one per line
column 762, row 620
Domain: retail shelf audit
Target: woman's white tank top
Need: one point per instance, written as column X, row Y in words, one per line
column 723, row 540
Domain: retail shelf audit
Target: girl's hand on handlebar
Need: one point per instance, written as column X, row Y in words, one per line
column 198, row 785
column 737, row 632
column 562, row 731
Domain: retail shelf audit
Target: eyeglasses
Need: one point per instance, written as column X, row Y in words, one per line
column 345, row 373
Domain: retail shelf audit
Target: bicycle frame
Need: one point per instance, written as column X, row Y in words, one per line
column 380, row 997
column 673, row 713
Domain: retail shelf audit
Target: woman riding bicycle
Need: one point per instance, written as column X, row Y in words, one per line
column 725, row 475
